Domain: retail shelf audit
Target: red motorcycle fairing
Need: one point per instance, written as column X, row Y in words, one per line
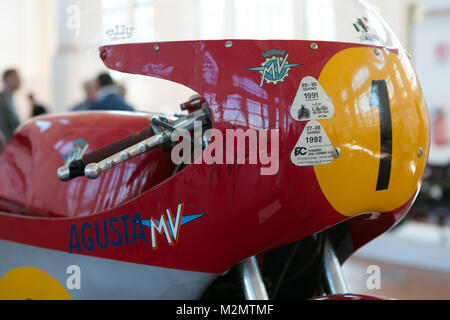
column 205, row 218
column 29, row 184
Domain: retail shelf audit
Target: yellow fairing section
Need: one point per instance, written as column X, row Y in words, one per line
column 350, row 182
column 29, row 283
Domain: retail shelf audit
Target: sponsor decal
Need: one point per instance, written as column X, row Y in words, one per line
column 275, row 68
column 79, row 148
column 115, row 231
column 361, row 25
column 313, row 147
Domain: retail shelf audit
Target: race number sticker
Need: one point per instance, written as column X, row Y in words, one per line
column 311, row 102
column 313, row 147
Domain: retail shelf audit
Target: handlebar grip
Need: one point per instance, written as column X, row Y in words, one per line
column 115, row 147
column 71, row 170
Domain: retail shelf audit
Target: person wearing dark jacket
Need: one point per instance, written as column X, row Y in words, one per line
column 90, row 88
column 36, row 109
column 109, row 96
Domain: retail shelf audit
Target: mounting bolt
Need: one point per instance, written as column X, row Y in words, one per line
column 228, row 44
column 155, row 47
column 420, row 152
column 314, row 46
column 376, row 51
column 336, row 152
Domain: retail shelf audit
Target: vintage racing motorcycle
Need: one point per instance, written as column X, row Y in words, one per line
column 93, row 207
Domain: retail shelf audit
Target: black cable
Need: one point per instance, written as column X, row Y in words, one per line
column 284, row 270
column 320, row 284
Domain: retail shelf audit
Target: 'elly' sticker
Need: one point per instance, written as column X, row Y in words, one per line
column 313, row 147
column 311, row 101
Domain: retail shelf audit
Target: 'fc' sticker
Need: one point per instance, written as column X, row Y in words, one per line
column 313, row 147
column 311, row 102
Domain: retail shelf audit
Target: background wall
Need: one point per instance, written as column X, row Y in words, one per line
column 430, row 44
column 28, row 39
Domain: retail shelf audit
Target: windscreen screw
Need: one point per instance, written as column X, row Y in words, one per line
column 314, row 46
column 155, row 48
column 420, row 152
column 228, row 44
column 336, row 152
column 376, row 51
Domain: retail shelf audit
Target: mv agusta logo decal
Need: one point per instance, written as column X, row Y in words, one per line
column 276, row 67
column 115, row 231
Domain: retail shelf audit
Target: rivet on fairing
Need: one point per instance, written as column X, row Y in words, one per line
column 336, row 152
column 420, row 153
column 314, row 46
column 228, row 44
column 376, row 51
column 155, row 47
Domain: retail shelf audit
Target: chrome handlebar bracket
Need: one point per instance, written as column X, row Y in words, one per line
column 94, row 170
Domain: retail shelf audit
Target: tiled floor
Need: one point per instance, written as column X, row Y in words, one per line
column 397, row 281
column 418, row 245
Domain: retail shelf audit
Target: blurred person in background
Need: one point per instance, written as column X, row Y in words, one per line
column 36, row 109
column 9, row 120
column 109, row 96
column 90, row 90
column 2, row 142
column 122, row 89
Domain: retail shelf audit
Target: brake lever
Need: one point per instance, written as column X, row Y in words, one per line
column 94, row 169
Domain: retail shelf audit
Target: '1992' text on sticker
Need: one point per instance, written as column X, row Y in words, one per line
column 313, row 147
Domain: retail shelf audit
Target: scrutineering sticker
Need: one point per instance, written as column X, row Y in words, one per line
column 311, row 101
column 313, row 147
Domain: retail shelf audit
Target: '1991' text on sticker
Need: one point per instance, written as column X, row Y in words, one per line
column 311, row 102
